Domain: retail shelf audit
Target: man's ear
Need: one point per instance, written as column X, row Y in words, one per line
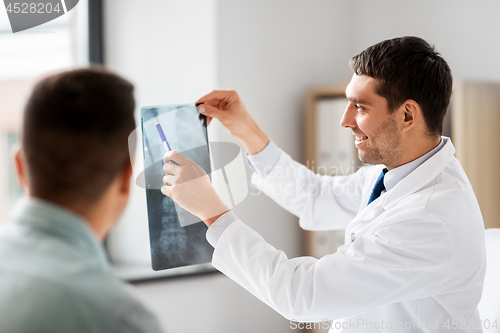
column 412, row 114
column 126, row 175
column 17, row 156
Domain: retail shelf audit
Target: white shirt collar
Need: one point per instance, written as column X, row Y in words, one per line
column 394, row 176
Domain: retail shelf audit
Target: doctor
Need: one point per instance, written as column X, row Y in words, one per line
column 413, row 258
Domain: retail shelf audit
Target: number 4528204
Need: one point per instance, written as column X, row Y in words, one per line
column 470, row 324
column 33, row 8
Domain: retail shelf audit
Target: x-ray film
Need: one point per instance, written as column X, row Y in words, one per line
column 177, row 237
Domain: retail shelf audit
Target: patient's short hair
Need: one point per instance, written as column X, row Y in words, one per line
column 409, row 68
column 75, row 134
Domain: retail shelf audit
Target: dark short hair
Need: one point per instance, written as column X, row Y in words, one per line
column 75, row 134
column 409, row 68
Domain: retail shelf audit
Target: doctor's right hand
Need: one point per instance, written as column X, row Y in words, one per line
column 227, row 107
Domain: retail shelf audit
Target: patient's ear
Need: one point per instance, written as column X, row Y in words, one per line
column 17, row 156
column 126, row 175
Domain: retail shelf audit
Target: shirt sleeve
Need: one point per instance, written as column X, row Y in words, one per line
column 321, row 202
column 215, row 231
column 265, row 160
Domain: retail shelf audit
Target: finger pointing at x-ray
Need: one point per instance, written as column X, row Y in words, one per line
column 190, row 187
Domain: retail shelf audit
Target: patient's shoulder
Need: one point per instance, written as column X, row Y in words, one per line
column 91, row 301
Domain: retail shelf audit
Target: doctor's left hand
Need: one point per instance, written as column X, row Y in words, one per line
column 189, row 186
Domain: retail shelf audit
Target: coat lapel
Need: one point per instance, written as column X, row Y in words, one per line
column 421, row 176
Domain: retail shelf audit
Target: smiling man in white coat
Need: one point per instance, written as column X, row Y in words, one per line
column 414, row 255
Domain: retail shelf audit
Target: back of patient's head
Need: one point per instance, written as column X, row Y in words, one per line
column 75, row 134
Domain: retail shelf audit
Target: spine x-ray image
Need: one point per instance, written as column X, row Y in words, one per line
column 177, row 237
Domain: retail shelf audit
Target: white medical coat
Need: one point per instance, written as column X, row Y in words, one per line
column 418, row 258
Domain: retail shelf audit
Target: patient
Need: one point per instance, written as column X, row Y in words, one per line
column 74, row 166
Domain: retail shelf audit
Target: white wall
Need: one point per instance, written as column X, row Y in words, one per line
column 466, row 33
column 167, row 49
column 271, row 52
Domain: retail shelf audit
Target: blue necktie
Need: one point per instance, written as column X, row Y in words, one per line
column 379, row 186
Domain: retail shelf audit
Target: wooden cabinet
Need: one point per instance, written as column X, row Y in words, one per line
column 475, row 121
